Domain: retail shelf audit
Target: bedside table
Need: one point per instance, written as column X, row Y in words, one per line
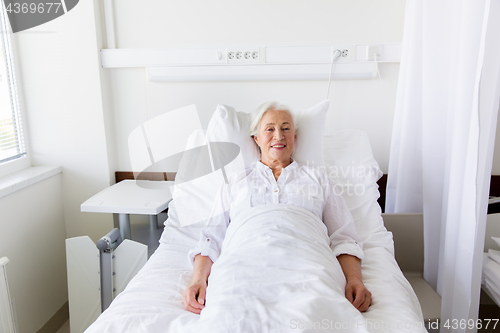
column 131, row 197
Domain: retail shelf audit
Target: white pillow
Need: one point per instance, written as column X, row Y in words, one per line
column 196, row 182
column 348, row 154
column 229, row 125
column 350, row 164
column 309, row 145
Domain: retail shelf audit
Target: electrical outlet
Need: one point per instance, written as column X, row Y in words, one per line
column 373, row 52
column 347, row 52
column 243, row 55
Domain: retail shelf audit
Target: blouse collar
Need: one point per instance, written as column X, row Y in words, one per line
column 289, row 168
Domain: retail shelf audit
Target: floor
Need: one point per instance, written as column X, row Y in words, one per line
column 64, row 328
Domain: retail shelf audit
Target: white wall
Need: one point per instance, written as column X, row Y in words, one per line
column 365, row 104
column 32, row 237
column 64, row 103
column 158, row 23
column 60, row 76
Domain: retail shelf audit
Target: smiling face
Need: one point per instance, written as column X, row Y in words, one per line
column 276, row 138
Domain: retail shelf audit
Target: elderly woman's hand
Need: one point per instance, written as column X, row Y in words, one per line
column 355, row 290
column 193, row 297
column 358, row 295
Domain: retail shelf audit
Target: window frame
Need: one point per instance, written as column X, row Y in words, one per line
column 8, row 37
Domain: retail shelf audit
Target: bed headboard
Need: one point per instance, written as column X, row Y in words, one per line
column 157, row 176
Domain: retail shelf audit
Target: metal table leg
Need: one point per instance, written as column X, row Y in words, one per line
column 125, row 226
column 153, row 222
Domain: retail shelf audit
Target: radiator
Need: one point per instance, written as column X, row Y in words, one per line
column 7, row 322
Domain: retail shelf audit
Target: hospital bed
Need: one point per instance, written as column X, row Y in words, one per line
column 152, row 301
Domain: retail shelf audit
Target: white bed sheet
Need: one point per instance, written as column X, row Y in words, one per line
column 152, row 301
column 491, row 278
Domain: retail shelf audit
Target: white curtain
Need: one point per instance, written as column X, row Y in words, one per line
column 443, row 139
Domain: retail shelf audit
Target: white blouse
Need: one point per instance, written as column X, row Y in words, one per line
column 297, row 185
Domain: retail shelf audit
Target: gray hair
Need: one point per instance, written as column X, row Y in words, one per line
column 258, row 113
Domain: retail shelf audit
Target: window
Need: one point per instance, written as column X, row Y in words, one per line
column 12, row 144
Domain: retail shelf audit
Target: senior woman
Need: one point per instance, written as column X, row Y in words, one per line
column 273, row 129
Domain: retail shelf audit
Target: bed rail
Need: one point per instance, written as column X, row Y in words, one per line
column 97, row 273
column 106, row 246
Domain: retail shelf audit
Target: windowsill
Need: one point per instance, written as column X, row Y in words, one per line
column 26, row 177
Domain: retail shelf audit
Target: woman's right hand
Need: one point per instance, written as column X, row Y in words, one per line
column 193, row 297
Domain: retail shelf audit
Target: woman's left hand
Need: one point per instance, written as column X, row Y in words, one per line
column 358, row 295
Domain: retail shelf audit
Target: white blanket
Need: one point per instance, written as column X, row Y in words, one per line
column 276, row 273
